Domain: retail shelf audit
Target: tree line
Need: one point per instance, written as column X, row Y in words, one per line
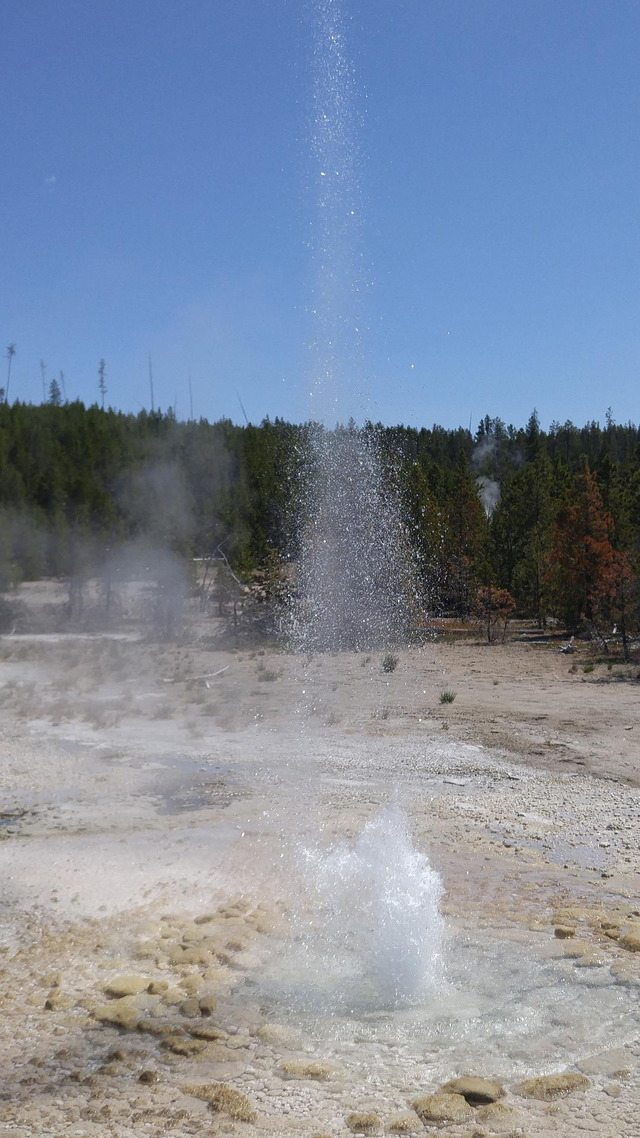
column 550, row 519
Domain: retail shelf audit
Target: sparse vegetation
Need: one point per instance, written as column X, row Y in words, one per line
column 447, row 696
column 314, row 1069
column 224, row 1099
column 587, row 668
column 389, row 662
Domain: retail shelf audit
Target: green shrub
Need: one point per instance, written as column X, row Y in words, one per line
column 447, row 696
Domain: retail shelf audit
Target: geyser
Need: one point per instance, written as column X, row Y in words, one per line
column 357, row 588
column 356, row 581
column 367, row 930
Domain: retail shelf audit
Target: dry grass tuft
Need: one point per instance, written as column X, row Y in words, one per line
column 298, row 1069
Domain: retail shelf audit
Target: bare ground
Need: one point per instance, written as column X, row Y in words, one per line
column 146, row 786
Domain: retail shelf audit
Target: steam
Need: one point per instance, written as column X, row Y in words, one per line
column 489, row 493
column 483, row 460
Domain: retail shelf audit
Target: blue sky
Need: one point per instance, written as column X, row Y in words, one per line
column 158, row 193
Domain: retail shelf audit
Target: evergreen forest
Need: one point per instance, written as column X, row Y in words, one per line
column 549, row 519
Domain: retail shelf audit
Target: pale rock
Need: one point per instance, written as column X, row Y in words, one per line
column 548, row 1087
column 475, row 1090
column 443, row 1108
column 126, row 986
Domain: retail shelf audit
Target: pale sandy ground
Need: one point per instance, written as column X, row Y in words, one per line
column 138, row 796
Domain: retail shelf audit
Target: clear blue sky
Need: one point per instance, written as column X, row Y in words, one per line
column 156, row 197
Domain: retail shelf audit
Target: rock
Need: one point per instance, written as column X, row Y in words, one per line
column 57, row 1003
column 172, row 996
column 591, row 959
column 191, row 984
column 158, row 1027
column 476, row 1091
column 191, row 955
column 220, row 977
column 192, row 934
column 364, row 1122
column 158, row 987
column 497, row 1114
column 121, row 1013
column 126, row 986
column 225, row 1099
column 148, row 948
column 50, row 980
column 190, row 1008
column 147, row 1077
column 626, row 975
column 576, row 949
column 204, row 919
column 548, row 1087
column 182, row 1046
column 443, row 1108
column 207, row 1031
column 564, row 931
column 407, row 1123
column 610, row 1063
column 277, row 1035
column 631, row 940
column 217, row 1052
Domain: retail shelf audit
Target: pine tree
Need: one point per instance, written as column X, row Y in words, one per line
column 102, row 385
column 11, row 351
column 586, row 573
column 55, row 394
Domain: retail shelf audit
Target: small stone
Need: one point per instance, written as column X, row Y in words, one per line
column 443, row 1108
column 204, row 919
column 614, row 1090
column 126, row 986
column 476, row 1091
column 548, row 1087
column 564, row 931
column 147, row 1077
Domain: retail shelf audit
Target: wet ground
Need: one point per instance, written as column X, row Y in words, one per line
column 139, row 799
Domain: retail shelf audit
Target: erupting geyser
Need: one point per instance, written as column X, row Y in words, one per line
column 356, row 580
column 368, row 933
